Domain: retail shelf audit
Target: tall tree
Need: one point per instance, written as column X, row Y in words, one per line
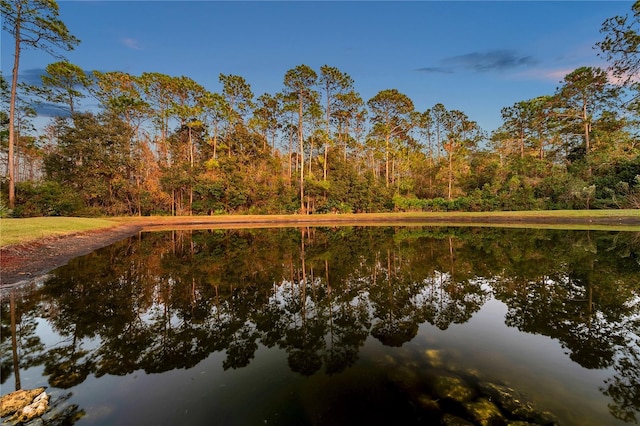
column 35, row 24
column 462, row 135
column 214, row 110
column 299, row 83
column 425, row 126
column 391, row 115
column 266, row 117
column 159, row 95
column 541, row 122
column 23, row 143
column 526, row 127
column 238, row 95
column 65, row 83
column 439, row 113
column 333, row 82
column 122, row 93
column 621, row 45
column 350, row 115
column 585, row 93
column 239, row 99
column 92, row 157
column 187, row 107
column 516, row 124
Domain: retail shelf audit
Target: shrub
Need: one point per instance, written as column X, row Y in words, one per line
column 47, row 198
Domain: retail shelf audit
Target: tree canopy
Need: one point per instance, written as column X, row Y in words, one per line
column 162, row 144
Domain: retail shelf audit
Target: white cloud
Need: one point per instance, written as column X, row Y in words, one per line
column 131, row 43
column 556, row 74
column 620, row 80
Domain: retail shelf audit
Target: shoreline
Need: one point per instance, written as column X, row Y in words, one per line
column 21, row 263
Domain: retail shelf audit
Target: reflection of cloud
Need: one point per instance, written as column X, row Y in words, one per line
column 556, row 75
column 493, row 60
column 131, row 43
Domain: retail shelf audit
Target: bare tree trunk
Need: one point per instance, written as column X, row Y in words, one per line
column 450, row 174
column 387, row 162
column 12, row 108
column 301, row 140
column 587, row 128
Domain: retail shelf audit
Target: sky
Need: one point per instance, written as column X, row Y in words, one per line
column 476, row 56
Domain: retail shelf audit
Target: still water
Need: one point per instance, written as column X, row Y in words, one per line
column 348, row 325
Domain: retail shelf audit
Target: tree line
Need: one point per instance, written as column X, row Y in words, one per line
column 160, row 144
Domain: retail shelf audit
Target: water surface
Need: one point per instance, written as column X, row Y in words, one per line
column 347, row 325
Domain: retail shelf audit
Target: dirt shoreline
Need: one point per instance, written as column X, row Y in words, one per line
column 25, row 262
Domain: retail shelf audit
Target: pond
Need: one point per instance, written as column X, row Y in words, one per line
column 345, row 325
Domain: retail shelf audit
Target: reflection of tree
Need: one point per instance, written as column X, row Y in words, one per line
column 454, row 296
column 348, row 327
column 392, row 302
column 624, row 387
column 14, row 340
column 21, row 348
column 578, row 303
column 19, row 344
column 166, row 301
column 587, row 298
column 441, row 298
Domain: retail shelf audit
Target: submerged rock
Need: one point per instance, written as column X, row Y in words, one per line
column 434, row 358
column 451, row 420
column 517, row 405
column 17, row 400
column 484, row 412
column 36, row 409
column 426, row 402
column 453, row 388
column 405, row 378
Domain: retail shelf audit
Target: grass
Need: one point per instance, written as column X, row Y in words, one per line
column 19, row 231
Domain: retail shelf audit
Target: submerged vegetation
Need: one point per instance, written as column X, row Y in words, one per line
column 164, row 145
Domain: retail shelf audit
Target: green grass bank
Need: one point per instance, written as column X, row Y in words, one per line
column 21, row 231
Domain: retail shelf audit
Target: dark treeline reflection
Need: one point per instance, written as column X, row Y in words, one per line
column 161, row 301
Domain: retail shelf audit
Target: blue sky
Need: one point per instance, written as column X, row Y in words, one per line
column 473, row 56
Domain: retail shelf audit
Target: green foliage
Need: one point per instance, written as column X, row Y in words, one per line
column 48, row 198
column 4, row 210
column 437, row 204
column 622, row 44
column 166, row 145
column 615, row 182
column 93, row 158
column 632, row 199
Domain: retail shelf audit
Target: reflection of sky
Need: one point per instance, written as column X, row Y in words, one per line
column 50, row 338
column 45, row 332
column 525, row 361
column 484, row 343
column 484, row 346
